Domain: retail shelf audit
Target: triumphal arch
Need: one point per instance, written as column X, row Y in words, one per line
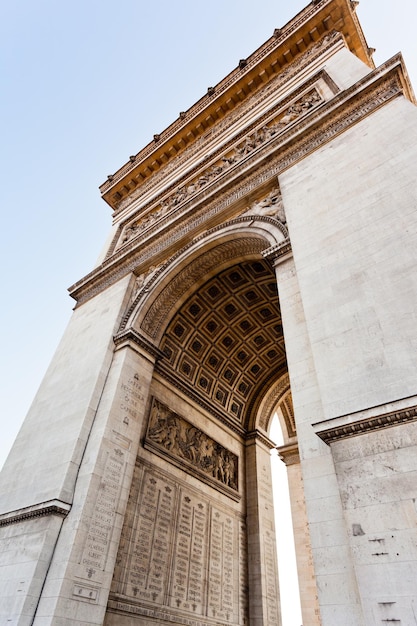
column 261, row 262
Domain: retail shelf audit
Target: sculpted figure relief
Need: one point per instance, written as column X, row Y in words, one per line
column 251, row 143
column 142, row 280
column 175, row 435
column 272, row 205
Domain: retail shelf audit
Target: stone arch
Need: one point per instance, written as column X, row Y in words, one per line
column 228, row 269
column 162, row 289
column 165, row 290
column 277, row 398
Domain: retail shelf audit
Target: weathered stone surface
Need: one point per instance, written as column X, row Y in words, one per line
column 261, row 260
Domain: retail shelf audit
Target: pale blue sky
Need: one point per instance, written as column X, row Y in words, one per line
column 86, row 84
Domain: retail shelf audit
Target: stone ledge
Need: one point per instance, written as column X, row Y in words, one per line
column 351, row 428
column 52, row 507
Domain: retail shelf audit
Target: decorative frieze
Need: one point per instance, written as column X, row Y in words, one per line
column 319, row 127
column 270, row 129
column 252, row 142
column 331, row 434
column 189, row 447
column 285, row 74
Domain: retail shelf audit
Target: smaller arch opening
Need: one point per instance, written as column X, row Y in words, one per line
column 287, row 565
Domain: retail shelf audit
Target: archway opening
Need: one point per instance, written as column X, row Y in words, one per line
column 287, row 565
column 206, row 452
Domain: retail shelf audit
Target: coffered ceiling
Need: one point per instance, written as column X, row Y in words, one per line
column 225, row 345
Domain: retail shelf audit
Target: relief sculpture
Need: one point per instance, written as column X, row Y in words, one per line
column 262, row 135
column 272, row 206
column 186, row 442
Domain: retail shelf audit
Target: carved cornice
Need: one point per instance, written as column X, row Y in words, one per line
column 331, row 434
column 281, row 49
column 130, row 335
column 211, row 166
column 53, row 507
column 289, row 454
column 266, row 163
column 256, row 436
column 278, row 252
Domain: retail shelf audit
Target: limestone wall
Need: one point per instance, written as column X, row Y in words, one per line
column 351, row 213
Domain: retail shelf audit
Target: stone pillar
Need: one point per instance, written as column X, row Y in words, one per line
column 308, row 590
column 38, row 480
column 78, row 582
column 338, row 592
column 264, row 603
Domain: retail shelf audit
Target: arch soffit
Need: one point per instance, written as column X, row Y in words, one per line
column 169, row 285
column 279, row 391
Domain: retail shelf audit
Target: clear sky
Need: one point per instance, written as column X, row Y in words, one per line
column 85, row 84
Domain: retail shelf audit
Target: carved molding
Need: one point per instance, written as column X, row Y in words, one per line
column 281, row 387
column 370, row 424
column 289, row 454
column 278, row 252
column 215, row 166
column 131, row 335
column 284, row 75
column 186, row 278
column 218, row 168
column 256, row 436
column 320, row 126
column 53, row 507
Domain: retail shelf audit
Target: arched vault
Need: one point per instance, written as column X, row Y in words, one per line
column 213, row 312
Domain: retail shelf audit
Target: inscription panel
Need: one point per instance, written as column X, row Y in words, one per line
column 180, row 552
column 243, row 574
column 188, row 591
column 221, row 566
column 94, row 555
column 131, row 398
column 150, row 543
column 271, row 577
